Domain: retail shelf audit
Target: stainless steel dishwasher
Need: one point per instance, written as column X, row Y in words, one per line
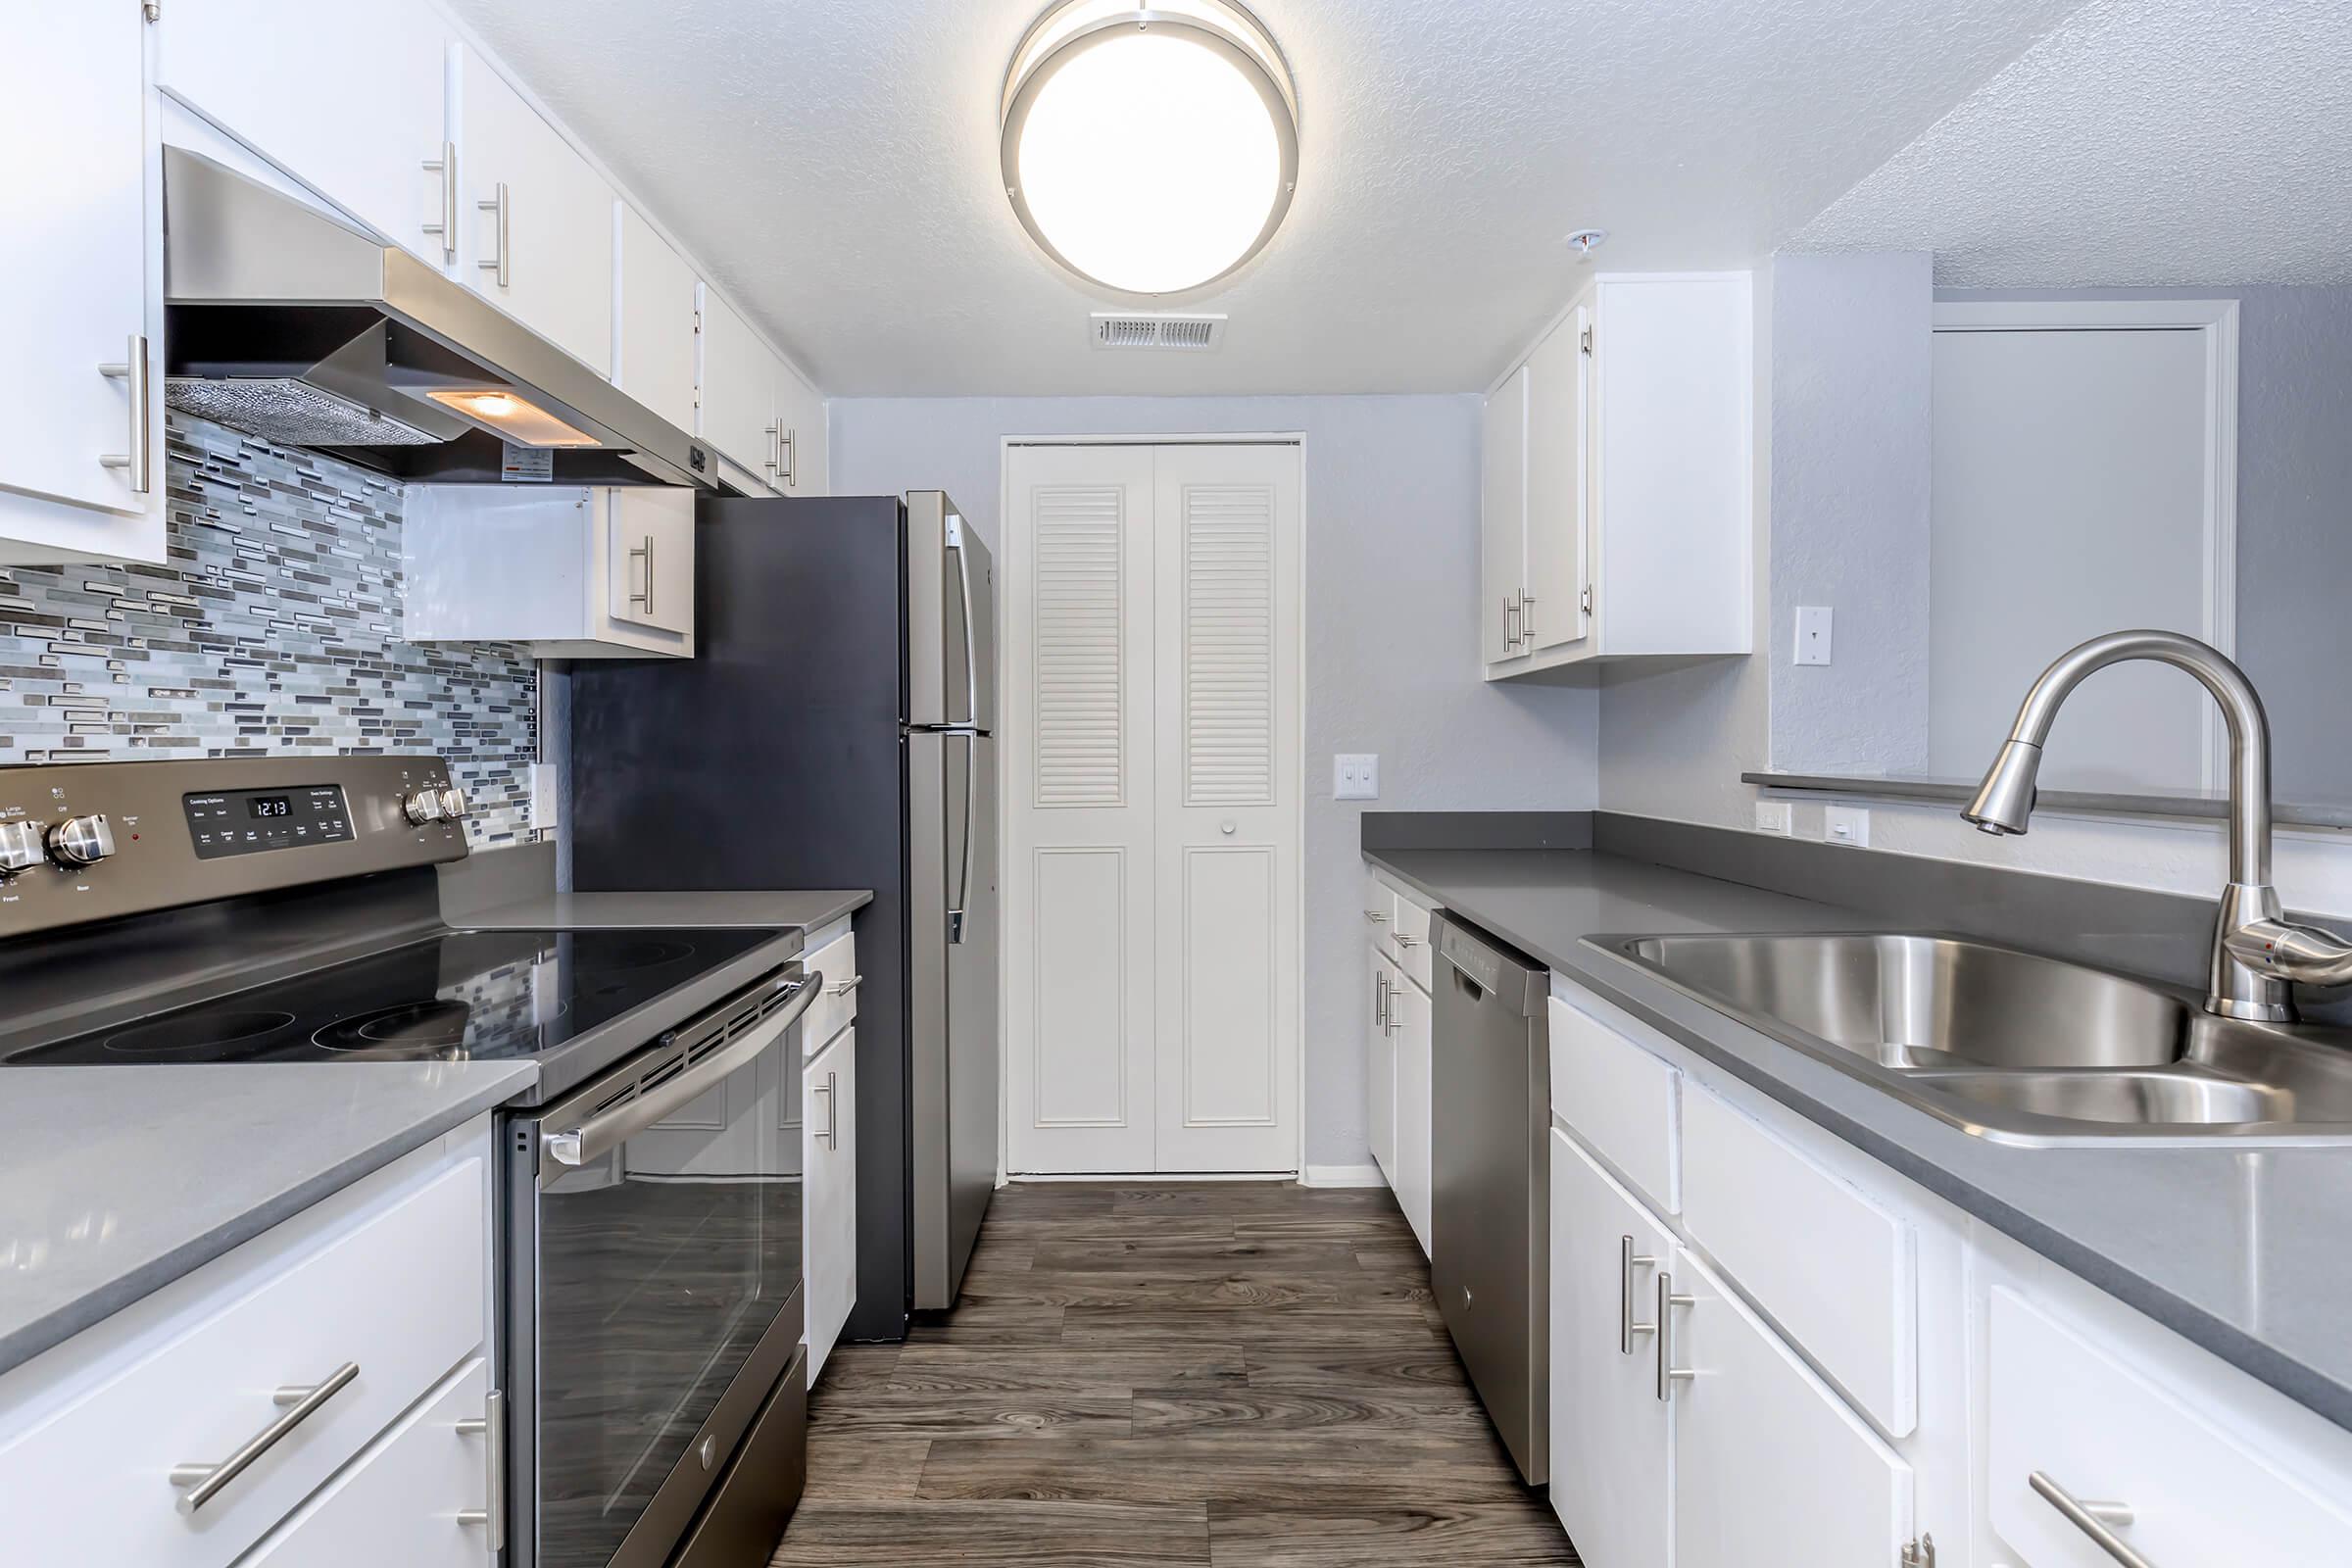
column 1489, row 1202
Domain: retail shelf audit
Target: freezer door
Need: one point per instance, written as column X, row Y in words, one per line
column 952, row 1155
column 951, row 618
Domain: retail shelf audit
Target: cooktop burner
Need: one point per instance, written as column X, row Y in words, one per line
column 462, row 996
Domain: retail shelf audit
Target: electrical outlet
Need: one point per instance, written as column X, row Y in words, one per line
column 543, row 797
column 1846, row 824
column 1812, row 634
column 1354, row 776
column 1775, row 816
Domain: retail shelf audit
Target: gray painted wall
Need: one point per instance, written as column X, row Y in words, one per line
column 1391, row 550
column 1852, row 471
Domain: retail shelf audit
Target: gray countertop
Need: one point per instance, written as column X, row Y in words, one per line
column 116, row 1181
column 577, row 911
column 2247, row 1252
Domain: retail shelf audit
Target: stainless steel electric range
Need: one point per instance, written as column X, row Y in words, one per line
column 230, row 912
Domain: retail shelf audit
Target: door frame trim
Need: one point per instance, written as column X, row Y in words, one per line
column 1212, row 438
column 2217, row 319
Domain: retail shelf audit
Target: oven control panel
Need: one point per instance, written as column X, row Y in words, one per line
column 97, row 841
column 257, row 821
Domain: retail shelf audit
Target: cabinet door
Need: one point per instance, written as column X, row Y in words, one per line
column 396, row 1505
column 648, row 543
column 1770, row 1470
column 1560, row 406
column 73, row 267
column 540, row 224
column 1503, row 523
column 1408, row 1027
column 348, row 99
column 739, row 389
column 1380, row 1072
column 653, row 357
column 1612, row 1438
column 829, row 1155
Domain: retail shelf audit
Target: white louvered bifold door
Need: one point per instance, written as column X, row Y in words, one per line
column 1078, row 795
column 1226, row 698
column 1152, row 817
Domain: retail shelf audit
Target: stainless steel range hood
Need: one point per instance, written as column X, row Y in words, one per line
column 283, row 322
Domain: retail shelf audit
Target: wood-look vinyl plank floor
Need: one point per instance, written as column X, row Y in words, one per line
column 1214, row 1374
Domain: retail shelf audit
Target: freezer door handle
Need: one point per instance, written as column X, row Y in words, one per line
column 964, row 880
column 971, row 638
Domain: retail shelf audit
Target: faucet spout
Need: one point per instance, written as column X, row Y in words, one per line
column 2256, row 953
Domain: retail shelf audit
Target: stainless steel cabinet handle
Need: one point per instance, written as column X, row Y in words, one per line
column 1629, row 1261
column 500, row 260
column 789, row 445
column 491, row 1426
column 446, row 165
column 608, row 1130
column 1380, row 1001
column 1406, row 939
column 1510, row 632
column 2093, row 1519
column 645, row 553
column 776, row 448
column 1668, row 1373
column 832, row 1093
column 1396, row 1014
column 845, row 987
column 138, row 463
column 1375, row 919
column 205, row 1481
column 1526, row 620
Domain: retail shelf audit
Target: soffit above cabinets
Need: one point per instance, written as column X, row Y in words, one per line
column 836, row 168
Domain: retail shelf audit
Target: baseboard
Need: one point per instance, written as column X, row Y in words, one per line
column 1343, row 1176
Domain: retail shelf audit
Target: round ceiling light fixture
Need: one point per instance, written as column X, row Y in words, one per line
column 1153, row 148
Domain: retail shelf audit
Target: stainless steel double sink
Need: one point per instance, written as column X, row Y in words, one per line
column 2015, row 1047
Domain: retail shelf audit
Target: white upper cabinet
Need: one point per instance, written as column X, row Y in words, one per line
column 755, row 409
column 351, row 100
column 79, row 405
column 1619, row 484
column 537, row 218
column 654, row 314
column 800, row 434
column 603, row 572
column 1502, row 553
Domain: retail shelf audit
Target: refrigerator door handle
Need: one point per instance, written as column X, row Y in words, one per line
column 971, row 643
column 964, row 880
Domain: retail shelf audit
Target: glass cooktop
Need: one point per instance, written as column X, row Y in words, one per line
column 464, row 996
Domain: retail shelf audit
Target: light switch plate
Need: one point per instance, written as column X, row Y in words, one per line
column 1812, row 634
column 1775, row 816
column 1846, row 824
column 1354, row 776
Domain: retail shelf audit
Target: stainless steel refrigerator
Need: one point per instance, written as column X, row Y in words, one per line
column 835, row 729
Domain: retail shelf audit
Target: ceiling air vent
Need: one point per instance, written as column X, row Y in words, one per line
column 1188, row 333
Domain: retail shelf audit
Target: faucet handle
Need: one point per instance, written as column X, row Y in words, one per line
column 2304, row 954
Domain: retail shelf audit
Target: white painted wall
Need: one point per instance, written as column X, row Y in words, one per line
column 1673, row 743
column 1392, row 600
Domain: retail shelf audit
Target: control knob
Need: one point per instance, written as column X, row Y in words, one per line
column 22, row 847
column 453, row 803
column 80, row 840
column 422, row 806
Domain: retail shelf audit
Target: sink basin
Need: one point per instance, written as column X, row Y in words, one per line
column 2014, row 1046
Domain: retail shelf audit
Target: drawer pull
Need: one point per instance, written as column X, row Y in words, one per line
column 491, row 1426
column 205, row 1481
column 845, row 987
column 1405, row 940
column 1668, row 1373
column 1629, row 1261
column 2093, row 1519
column 1376, row 917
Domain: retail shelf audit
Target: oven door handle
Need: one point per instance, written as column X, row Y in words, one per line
column 599, row 1135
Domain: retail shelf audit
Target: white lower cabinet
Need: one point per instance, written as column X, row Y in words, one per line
column 1770, row 1470
column 417, row 1499
column 829, row 1156
column 1612, row 1437
column 1408, row 1027
column 368, row 1303
column 1379, row 1073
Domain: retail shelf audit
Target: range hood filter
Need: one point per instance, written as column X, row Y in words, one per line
column 289, row 412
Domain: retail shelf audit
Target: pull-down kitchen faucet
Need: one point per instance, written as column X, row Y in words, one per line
column 2256, row 953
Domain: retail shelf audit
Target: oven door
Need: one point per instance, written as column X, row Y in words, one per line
column 654, row 1289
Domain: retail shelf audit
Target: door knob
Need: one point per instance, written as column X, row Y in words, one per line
column 1225, row 829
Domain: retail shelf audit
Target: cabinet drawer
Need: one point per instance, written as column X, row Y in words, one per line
column 1408, row 938
column 396, row 1505
column 830, row 1013
column 1380, row 914
column 393, row 1283
column 1831, row 1267
column 2101, row 1431
column 1620, row 1100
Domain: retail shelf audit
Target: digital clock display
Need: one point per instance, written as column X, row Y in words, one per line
column 261, row 806
column 258, row 821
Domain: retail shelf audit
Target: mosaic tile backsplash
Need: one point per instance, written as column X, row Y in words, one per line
column 273, row 630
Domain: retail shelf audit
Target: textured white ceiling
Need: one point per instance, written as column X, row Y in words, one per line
column 2143, row 142
column 834, row 166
